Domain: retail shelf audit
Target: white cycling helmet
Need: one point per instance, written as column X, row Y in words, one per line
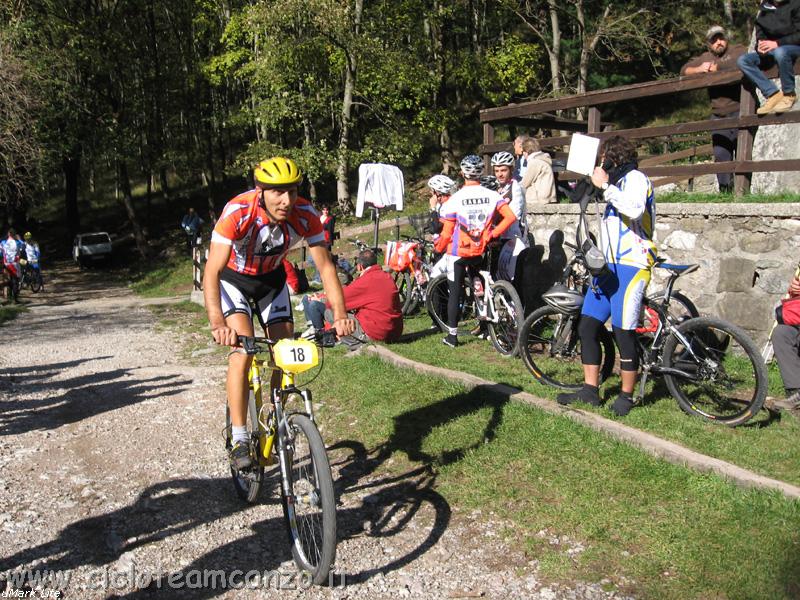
column 564, row 299
column 503, row 159
column 472, row 167
column 441, row 184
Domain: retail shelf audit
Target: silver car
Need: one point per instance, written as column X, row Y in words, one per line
column 90, row 248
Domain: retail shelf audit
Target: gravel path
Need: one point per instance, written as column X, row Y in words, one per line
column 114, row 478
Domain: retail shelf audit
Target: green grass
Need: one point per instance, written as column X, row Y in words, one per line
column 10, row 312
column 765, row 446
column 699, row 198
column 654, row 529
column 171, row 278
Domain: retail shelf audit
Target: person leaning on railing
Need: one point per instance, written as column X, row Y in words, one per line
column 720, row 56
column 778, row 43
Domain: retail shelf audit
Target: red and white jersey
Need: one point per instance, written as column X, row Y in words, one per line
column 473, row 208
column 259, row 245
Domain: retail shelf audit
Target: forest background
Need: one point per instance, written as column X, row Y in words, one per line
column 165, row 96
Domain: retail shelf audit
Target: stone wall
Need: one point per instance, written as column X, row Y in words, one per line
column 747, row 253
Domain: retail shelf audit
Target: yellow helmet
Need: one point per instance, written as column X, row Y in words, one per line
column 28, row 235
column 277, row 172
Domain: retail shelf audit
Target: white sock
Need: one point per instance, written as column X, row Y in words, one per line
column 452, row 330
column 239, row 433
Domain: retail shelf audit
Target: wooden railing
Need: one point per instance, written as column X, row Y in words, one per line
column 540, row 114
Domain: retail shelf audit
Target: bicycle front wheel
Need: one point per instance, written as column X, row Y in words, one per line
column 36, row 282
column 508, row 311
column 551, row 349
column 720, row 373
column 404, row 283
column 308, row 503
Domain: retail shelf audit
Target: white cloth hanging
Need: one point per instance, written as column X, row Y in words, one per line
column 379, row 185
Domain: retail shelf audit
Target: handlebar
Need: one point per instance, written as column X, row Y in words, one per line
column 251, row 344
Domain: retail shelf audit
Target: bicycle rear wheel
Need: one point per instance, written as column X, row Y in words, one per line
column 723, row 377
column 508, row 309
column 309, row 505
column 436, row 303
column 247, row 482
column 551, row 349
column 680, row 307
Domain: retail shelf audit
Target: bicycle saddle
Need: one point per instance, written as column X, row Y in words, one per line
column 675, row 269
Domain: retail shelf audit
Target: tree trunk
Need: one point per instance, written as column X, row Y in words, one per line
column 72, row 171
column 554, row 51
column 127, row 200
column 342, row 158
column 164, row 182
column 448, row 158
column 308, row 142
column 728, row 4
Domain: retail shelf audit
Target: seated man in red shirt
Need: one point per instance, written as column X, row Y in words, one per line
column 372, row 300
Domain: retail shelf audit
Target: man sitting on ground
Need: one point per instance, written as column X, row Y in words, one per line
column 786, row 345
column 777, row 39
column 372, row 300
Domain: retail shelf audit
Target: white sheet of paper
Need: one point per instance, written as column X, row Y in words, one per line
column 582, row 154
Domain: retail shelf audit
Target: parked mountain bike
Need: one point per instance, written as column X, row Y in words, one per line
column 411, row 265
column 31, row 277
column 711, row 367
column 496, row 303
column 289, row 436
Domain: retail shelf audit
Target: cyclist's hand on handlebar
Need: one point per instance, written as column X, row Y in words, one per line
column 225, row 336
column 344, row 327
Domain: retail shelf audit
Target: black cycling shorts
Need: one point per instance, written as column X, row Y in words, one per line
column 268, row 292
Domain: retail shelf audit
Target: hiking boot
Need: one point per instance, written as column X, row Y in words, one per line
column 785, row 104
column 622, row 405
column 586, row 394
column 239, row 455
column 451, row 340
column 769, row 105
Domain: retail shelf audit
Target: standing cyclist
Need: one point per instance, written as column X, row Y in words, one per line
column 627, row 238
column 255, row 232
column 468, row 217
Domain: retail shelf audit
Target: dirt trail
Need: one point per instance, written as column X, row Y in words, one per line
column 113, row 473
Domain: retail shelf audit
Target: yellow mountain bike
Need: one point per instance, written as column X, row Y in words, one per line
column 289, row 436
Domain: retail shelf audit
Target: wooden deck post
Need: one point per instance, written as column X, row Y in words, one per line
column 488, row 138
column 744, row 141
column 594, row 117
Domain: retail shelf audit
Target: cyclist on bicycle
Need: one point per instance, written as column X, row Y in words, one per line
column 32, row 253
column 468, row 228
column 11, row 255
column 627, row 239
column 255, row 232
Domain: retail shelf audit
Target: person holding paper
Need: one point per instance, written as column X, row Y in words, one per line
column 538, row 181
column 627, row 240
